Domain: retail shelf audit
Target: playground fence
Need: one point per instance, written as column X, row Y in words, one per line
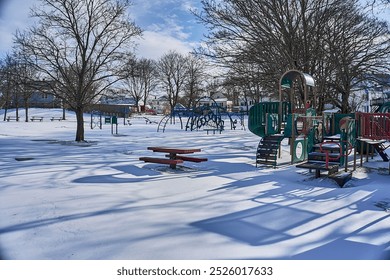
column 375, row 126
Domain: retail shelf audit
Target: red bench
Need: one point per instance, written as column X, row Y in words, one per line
column 193, row 159
column 172, row 162
column 174, row 156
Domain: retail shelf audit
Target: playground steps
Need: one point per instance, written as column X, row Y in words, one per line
column 318, row 154
column 321, row 156
column 317, row 161
column 268, row 149
column 341, row 177
column 380, row 148
column 319, row 166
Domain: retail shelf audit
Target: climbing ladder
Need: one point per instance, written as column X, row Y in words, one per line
column 164, row 121
column 268, row 150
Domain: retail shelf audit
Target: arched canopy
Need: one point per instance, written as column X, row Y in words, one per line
column 288, row 78
column 305, row 82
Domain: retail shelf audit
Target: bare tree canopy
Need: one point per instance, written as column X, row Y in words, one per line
column 15, row 83
column 140, row 79
column 327, row 38
column 195, row 80
column 79, row 47
column 173, row 71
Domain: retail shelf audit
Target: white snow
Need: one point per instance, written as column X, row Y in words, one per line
column 96, row 200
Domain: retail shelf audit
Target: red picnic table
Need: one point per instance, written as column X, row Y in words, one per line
column 173, row 156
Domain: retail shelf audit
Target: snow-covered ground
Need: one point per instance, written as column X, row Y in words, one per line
column 96, row 200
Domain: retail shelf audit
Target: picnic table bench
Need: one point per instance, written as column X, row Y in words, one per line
column 173, row 156
column 172, row 162
column 35, row 118
column 12, row 118
column 56, row 118
column 193, row 159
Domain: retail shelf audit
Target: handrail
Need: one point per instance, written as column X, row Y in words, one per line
column 374, row 126
column 327, row 152
column 350, row 147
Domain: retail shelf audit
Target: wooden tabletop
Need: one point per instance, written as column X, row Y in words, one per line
column 172, row 150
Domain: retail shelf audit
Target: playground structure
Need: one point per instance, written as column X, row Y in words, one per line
column 320, row 143
column 97, row 118
column 206, row 115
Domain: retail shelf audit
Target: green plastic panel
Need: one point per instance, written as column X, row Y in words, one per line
column 258, row 116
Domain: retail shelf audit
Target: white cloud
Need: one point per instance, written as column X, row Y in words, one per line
column 14, row 16
column 156, row 44
column 188, row 5
column 170, row 27
column 6, row 38
column 167, row 23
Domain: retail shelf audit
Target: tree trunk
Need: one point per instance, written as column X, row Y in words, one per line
column 344, row 104
column 26, row 108
column 5, row 111
column 63, row 109
column 80, row 124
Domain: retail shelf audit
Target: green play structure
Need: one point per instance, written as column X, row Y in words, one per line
column 320, row 143
column 292, row 117
column 385, row 108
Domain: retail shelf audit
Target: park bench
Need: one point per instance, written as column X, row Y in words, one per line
column 12, row 118
column 35, row 118
column 56, row 119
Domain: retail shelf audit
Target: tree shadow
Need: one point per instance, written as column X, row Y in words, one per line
column 342, row 249
column 258, row 226
column 289, row 218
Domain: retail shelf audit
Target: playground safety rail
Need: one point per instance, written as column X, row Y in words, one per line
column 375, row 126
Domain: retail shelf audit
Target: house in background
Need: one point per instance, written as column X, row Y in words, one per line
column 118, row 105
column 218, row 99
column 372, row 95
column 44, row 100
column 244, row 104
column 159, row 104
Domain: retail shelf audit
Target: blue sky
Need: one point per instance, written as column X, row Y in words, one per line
column 167, row 24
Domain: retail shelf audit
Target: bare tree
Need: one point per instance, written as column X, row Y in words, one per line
column 78, row 46
column 15, row 76
column 150, row 77
column 173, row 71
column 357, row 47
column 296, row 34
column 141, row 79
column 380, row 4
column 195, row 79
column 133, row 81
column 7, row 82
column 25, row 75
